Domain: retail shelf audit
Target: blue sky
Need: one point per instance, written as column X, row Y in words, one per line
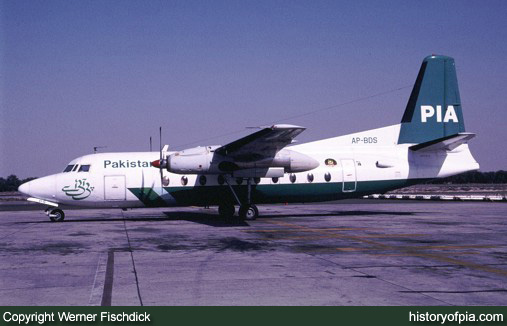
column 79, row 74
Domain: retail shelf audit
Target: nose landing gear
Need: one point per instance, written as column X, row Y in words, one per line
column 55, row 214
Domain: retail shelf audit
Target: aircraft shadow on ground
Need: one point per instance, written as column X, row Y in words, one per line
column 204, row 218
column 215, row 220
column 197, row 217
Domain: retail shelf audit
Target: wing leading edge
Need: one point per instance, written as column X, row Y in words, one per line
column 262, row 144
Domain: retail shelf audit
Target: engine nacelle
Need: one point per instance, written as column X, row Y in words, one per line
column 203, row 160
column 291, row 161
column 294, row 162
column 190, row 161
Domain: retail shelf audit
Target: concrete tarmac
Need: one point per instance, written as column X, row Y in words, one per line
column 362, row 252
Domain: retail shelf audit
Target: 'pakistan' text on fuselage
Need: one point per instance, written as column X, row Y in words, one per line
column 121, row 164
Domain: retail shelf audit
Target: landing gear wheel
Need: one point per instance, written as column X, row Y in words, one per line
column 57, row 215
column 248, row 212
column 226, row 210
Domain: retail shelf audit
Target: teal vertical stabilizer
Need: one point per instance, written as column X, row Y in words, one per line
column 434, row 108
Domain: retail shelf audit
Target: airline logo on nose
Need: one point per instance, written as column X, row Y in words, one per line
column 427, row 111
column 81, row 190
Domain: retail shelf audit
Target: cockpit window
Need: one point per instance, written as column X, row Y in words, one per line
column 75, row 167
column 69, row 168
column 84, row 168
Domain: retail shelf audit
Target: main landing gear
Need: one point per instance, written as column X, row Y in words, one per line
column 226, row 210
column 247, row 211
column 55, row 214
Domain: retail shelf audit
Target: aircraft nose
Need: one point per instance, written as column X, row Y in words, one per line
column 44, row 188
column 25, row 188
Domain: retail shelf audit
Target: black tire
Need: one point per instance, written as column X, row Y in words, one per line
column 57, row 215
column 226, row 210
column 248, row 212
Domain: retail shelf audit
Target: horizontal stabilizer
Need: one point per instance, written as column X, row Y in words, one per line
column 447, row 143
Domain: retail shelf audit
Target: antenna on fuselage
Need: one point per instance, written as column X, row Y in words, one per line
column 96, row 148
column 161, row 159
column 151, row 150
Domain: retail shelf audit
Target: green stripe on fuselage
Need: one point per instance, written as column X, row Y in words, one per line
column 271, row 193
column 148, row 197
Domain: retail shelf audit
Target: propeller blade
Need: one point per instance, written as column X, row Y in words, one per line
column 160, row 141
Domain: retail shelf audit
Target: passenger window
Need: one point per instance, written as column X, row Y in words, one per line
column 68, row 168
column 84, row 168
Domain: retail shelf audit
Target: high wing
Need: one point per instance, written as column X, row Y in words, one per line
column 264, row 143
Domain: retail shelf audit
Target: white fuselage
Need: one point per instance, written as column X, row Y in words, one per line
column 349, row 166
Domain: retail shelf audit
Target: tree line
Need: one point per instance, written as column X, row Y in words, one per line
column 12, row 182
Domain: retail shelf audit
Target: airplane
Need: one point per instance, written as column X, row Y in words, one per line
column 266, row 167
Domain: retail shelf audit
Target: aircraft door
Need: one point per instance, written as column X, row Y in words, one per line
column 349, row 175
column 114, row 187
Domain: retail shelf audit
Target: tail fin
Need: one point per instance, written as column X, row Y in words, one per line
column 434, row 108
